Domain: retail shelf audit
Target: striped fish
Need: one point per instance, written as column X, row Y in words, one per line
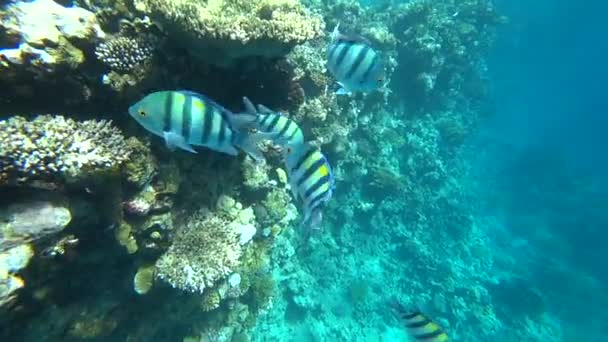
column 283, row 129
column 419, row 327
column 185, row 119
column 311, row 180
column 354, row 64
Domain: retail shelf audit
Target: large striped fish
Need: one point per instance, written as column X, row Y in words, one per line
column 284, row 130
column 311, row 180
column 185, row 119
column 354, row 63
column 419, row 326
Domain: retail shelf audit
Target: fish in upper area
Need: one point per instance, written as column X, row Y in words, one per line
column 185, row 119
column 284, row 130
column 311, row 180
column 419, row 326
column 354, row 63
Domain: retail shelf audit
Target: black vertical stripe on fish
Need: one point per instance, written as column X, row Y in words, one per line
column 273, row 123
column 263, row 122
column 319, row 183
column 371, row 67
column 208, row 123
column 428, row 336
column 311, row 171
column 315, row 202
column 187, row 117
column 418, row 324
column 222, row 133
column 168, row 106
column 358, row 60
column 347, row 47
column 286, row 128
column 293, row 134
column 332, row 51
column 303, row 159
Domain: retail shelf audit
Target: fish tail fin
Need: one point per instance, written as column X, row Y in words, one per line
column 248, row 142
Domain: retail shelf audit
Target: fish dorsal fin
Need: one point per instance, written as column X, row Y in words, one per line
column 337, row 36
column 249, row 107
column 265, row 110
column 353, row 38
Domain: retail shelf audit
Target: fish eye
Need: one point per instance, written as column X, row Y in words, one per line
column 141, row 112
column 380, row 80
column 289, row 150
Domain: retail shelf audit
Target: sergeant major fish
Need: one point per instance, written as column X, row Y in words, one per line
column 186, row 118
column 419, row 326
column 311, row 180
column 354, row 64
column 284, row 130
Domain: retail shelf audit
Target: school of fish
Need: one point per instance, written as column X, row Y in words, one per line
column 185, row 119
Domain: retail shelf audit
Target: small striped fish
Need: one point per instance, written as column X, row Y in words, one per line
column 419, row 327
column 185, row 118
column 356, row 66
column 311, row 180
column 284, row 130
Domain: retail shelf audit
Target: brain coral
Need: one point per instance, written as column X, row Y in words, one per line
column 57, row 148
column 221, row 31
column 205, row 250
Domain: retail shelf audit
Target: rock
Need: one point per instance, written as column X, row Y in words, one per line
column 29, row 221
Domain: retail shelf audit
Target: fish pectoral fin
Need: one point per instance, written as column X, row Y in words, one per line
column 343, row 91
column 174, row 140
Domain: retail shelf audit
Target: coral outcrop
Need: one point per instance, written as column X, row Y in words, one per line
column 59, row 149
column 222, row 31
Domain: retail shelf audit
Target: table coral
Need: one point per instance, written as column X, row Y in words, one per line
column 58, row 148
column 221, row 31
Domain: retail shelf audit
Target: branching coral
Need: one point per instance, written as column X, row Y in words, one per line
column 205, row 249
column 60, row 149
column 220, row 31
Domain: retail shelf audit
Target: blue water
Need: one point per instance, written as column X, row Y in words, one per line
column 548, row 159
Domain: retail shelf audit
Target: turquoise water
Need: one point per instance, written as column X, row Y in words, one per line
column 470, row 187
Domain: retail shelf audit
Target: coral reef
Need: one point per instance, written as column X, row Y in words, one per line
column 223, row 31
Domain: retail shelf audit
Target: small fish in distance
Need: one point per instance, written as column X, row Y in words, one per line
column 419, row 326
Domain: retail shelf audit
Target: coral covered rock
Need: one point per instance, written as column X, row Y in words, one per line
column 46, row 37
column 58, row 149
column 221, row 31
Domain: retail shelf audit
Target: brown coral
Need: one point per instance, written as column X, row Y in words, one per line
column 225, row 30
